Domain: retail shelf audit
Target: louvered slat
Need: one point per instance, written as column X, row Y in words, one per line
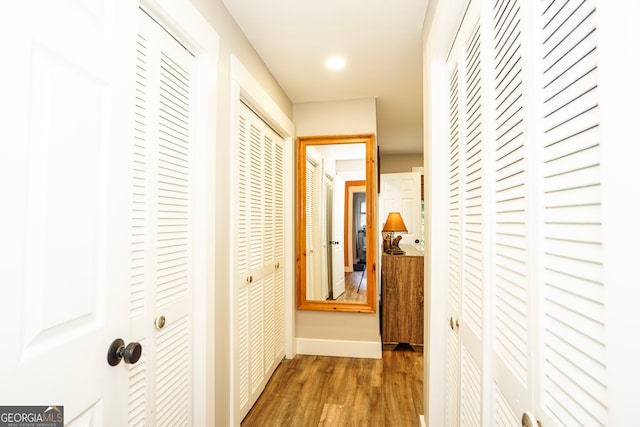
column 510, row 326
column 173, row 399
column 269, row 322
column 503, row 415
column 173, row 183
column 472, row 190
column 137, row 292
column 241, row 340
column 279, row 294
column 470, row 390
column 453, row 267
column 454, row 195
column 256, row 335
column 309, row 194
column 279, row 200
column 256, row 195
column 242, row 230
column 573, row 366
column 268, row 201
column 137, row 402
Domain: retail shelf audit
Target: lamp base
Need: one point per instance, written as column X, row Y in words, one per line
column 394, row 251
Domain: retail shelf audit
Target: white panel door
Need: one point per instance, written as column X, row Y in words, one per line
column 337, row 232
column 400, row 192
column 66, row 186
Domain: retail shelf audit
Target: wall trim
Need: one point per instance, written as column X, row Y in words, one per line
column 339, row 348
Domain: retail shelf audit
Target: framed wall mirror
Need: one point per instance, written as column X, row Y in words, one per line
column 335, row 217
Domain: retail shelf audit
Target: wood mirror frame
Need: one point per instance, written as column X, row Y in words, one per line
column 369, row 306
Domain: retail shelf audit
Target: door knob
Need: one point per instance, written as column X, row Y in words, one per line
column 454, row 323
column 528, row 420
column 117, row 351
column 160, row 322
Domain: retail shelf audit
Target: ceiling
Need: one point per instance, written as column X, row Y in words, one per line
column 380, row 39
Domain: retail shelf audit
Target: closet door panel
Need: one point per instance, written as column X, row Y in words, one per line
column 511, row 347
column 162, row 235
column 279, row 291
column 572, row 371
column 259, row 266
column 472, row 197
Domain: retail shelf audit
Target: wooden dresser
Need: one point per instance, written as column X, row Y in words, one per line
column 402, row 299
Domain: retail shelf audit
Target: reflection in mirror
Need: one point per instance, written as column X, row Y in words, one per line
column 335, row 181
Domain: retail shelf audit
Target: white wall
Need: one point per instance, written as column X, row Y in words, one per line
column 331, row 333
column 232, row 42
column 335, row 117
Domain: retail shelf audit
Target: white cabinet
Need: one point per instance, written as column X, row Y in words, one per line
column 258, row 257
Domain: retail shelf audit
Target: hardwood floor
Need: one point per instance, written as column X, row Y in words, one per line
column 351, row 283
column 310, row 391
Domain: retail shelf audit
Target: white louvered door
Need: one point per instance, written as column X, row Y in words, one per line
column 524, row 168
column 160, row 384
column 511, row 250
column 259, row 259
column 572, row 372
column 465, row 293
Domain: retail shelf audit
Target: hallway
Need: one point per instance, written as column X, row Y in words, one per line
column 310, row 391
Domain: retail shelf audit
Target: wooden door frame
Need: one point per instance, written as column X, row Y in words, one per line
column 347, row 219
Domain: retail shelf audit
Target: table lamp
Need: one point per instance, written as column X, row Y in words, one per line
column 394, row 224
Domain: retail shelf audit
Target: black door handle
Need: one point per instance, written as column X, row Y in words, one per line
column 117, row 351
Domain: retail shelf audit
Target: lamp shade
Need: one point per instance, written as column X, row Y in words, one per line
column 394, row 223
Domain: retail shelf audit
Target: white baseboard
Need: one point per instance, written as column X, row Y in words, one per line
column 423, row 423
column 339, row 348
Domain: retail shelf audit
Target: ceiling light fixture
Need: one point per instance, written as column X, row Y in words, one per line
column 335, row 63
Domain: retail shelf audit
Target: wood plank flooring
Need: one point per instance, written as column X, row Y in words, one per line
column 310, row 391
column 351, row 283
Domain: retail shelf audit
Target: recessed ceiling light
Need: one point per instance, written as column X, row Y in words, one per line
column 335, row 63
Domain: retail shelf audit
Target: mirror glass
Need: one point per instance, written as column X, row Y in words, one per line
column 335, row 247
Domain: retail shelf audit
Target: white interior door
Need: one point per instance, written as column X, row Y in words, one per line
column 162, row 247
column 337, row 232
column 258, row 264
column 400, row 192
column 67, row 111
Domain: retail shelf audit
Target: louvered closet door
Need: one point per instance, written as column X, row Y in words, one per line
column 572, row 372
column 541, row 204
column 259, row 258
column 162, row 239
column 312, row 232
column 465, row 262
column 512, row 322
column 273, row 250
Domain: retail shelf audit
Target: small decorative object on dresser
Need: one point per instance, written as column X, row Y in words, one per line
column 402, row 299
